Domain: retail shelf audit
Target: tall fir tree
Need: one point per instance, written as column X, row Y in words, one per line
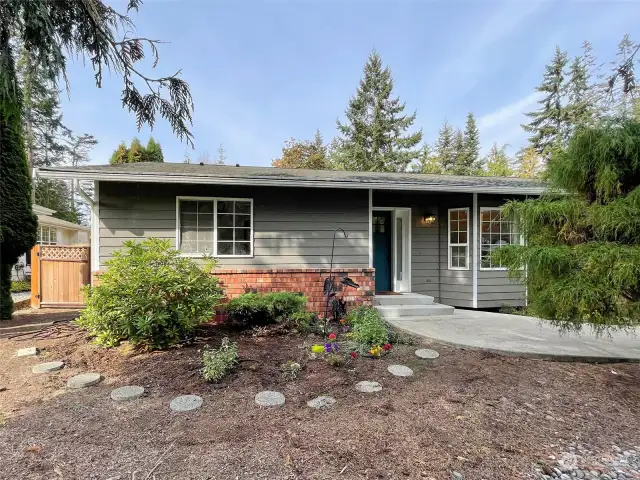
column 120, row 154
column 136, row 152
column 78, row 149
column 548, row 125
column 530, row 163
column 458, row 165
column 472, row 163
column 580, row 108
column 375, row 136
column 443, row 149
column 426, row 162
column 153, row 151
column 221, row 159
column 621, row 96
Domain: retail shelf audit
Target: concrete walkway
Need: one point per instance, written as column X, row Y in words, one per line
column 523, row 336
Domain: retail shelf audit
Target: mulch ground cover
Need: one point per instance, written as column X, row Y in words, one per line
column 483, row 415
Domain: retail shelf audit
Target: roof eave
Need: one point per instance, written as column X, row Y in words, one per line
column 289, row 182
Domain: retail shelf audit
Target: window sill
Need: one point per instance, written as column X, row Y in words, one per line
column 459, row 269
column 202, row 255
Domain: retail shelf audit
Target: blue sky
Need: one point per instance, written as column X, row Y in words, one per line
column 263, row 71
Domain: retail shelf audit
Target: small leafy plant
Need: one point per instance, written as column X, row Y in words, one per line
column 20, row 286
column 335, row 359
column 367, row 326
column 290, row 370
column 219, row 362
column 259, row 309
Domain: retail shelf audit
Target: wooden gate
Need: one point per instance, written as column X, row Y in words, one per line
column 58, row 273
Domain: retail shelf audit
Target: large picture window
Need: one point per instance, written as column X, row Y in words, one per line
column 495, row 231
column 222, row 227
column 459, row 239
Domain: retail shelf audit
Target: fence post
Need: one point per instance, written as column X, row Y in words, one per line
column 35, row 277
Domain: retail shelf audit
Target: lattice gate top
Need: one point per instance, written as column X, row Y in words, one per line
column 64, row 252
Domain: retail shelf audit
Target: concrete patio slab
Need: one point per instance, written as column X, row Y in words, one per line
column 523, row 336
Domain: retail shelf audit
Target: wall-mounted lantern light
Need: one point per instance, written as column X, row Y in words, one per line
column 428, row 219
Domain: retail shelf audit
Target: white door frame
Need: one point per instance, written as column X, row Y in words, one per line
column 403, row 286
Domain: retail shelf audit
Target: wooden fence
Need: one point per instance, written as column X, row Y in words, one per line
column 58, row 273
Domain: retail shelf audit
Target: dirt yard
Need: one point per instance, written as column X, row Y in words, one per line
column 483, row 415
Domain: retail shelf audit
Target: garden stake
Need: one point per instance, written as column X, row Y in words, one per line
column 328, row 293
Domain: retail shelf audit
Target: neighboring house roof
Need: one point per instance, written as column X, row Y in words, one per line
column 40, row 210
column 270, row 176
column 57, row 222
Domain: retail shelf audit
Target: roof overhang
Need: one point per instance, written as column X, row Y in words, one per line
column 288, row 182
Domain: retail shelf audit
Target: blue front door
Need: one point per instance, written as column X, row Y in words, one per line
column 382, row 250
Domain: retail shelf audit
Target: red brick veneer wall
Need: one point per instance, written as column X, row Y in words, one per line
column 309, row 281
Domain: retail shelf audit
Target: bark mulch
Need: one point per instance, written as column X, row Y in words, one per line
column 483, row 415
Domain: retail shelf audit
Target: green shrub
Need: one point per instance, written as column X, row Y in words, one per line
column 219, row 362
column 20, row 286
column 367, row 326
column 335, row 359
column 259, row 309
column 150, row 296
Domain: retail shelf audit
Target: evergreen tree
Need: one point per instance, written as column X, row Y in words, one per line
column 582, row 250
column 623, row 94
column 530, row 163
column 548, row 124
column 120, row 154
column 304, row 154
column 472, row 163
column 17, row 221
column 77, row 153
column 580, row 107
column 56, row 195
column 375, row 136
column 498, row 163
column 458, row 166
column 136, row 152
column 427, row 162
column 222, row 157
column 444, row 147
column 153, row 152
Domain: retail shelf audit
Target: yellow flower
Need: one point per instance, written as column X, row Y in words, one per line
column 317, row 348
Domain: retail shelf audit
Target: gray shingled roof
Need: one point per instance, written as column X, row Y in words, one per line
column 226, row 174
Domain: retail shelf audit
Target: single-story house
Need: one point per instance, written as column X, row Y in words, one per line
column 51, row 231
column 272, row 229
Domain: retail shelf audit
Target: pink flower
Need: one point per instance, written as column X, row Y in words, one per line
column 332, row 335
column 387, row 346
column 354, row 354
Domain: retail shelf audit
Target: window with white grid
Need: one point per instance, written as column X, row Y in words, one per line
column 47, row 235
column 222, row 227
column 495, row 231
column 458, row 239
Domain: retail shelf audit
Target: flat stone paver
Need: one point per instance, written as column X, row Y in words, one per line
column 47, row 367
column 427, row 353
column 368, row 386
column 184, row 403
column 27, row 352
column 128, row 392
column 269, row 399
column 321, row 402
column 523, row 336
column 84, row 380
column 399, row 370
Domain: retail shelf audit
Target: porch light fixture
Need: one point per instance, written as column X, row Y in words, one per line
column 428, row 219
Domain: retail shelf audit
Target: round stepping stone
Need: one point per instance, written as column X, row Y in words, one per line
column 269, row 399
column 321, row 402
column 128, row 392
column 400, row 370
column 427, row 353
column 47, row 367
column 84, row 380
column 367, row 386
column 185, row 403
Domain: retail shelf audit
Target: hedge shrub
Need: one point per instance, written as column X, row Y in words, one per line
column 150, row 296
column 259, row 309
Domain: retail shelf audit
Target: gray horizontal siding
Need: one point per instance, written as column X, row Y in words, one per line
column 495, row 289
column 293, row 228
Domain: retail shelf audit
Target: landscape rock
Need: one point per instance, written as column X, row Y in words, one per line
column 128, row 392
column 368, row 386
column 184, row 403
column 28, row 352
column 47, row 367
column 84, row 380
column 321, row 402
column 269, row 399
column 400, row 370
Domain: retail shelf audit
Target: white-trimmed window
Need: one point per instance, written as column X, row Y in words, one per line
column 495, row 231
column 47, row 235
column 458, row 238
column 222, row 227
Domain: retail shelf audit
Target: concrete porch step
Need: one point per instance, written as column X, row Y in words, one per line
column 405, row 311
column 403, row 299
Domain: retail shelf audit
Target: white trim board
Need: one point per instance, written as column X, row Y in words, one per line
column 476, row 248
column 95, row 229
